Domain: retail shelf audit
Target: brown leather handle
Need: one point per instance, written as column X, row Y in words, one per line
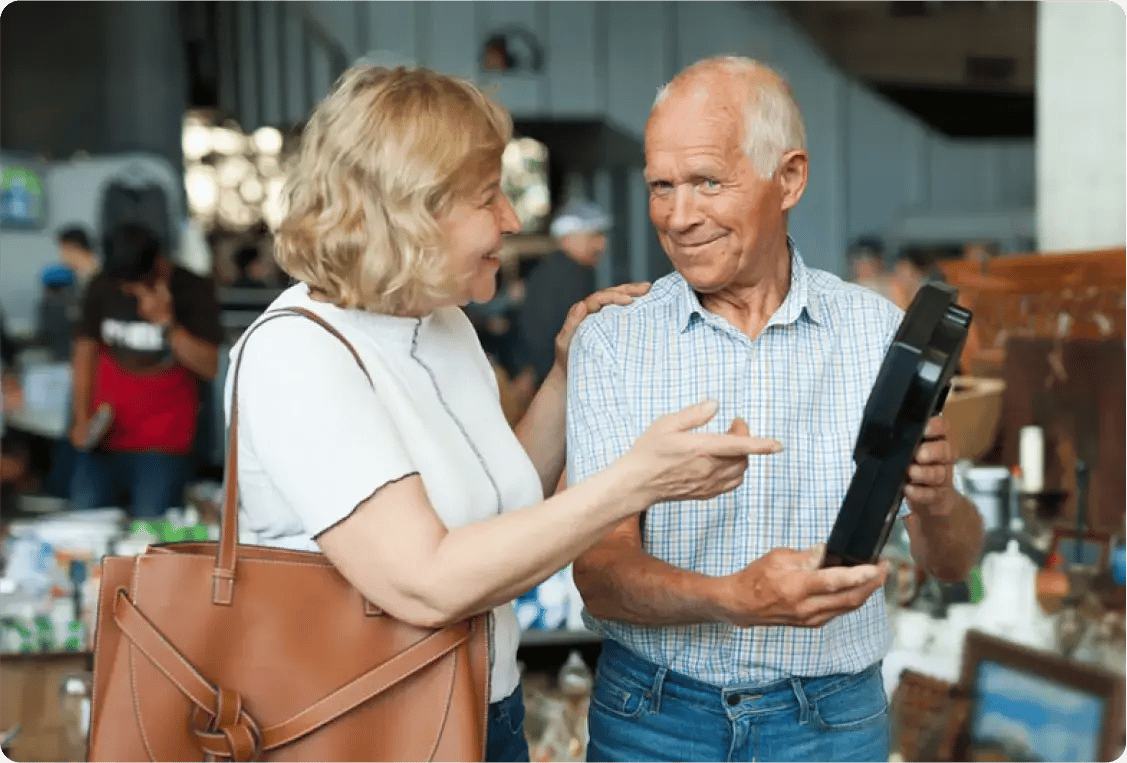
column 223, row 576
column 211, row 699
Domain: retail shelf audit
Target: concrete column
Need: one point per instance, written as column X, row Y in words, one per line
column 639, row 225
column 603, row 195
column 145, row 80
column 1081, row 125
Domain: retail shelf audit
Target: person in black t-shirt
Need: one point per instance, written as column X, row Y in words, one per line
column 149, row 334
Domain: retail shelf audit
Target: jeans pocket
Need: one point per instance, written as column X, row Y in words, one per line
column 618, row 695
column 857, row 704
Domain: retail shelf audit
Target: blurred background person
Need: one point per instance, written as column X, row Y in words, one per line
column 14, row 459
column 496, row 324
column 866, row 266
column 980, row 252
column 149, row 335
column 563, row 278
column 252, row 269
column 63, row 283
column 914, row 268
column 77, row 254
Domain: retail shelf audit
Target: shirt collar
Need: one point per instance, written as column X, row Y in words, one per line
column 802, row 297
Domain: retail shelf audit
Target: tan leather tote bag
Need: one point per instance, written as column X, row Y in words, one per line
column 221, row 651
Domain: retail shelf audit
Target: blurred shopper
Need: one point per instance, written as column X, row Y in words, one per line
column 980, row 252
column 497, row 325
column 866, row 266
column 148, row 336
column 563, row 278
column 251, row 268
column 913, row 269
column 60, row 305
column 14, row 461
column 77, row 254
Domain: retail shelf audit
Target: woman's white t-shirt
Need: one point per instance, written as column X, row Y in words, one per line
column 315, row 439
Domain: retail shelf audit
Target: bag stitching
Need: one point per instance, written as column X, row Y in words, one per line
column 133, row 672
column 382, row 687
column 446, row 710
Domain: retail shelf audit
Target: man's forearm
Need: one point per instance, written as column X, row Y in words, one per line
column 198, row 356
column 952, row 542
column 622, row 582
column 541, row 430
column 82, row 368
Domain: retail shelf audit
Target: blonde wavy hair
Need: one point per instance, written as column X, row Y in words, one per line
column 383, row 157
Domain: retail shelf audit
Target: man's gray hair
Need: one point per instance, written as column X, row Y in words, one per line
column 772, row 121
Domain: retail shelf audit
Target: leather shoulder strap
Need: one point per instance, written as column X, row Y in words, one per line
column 223, row 576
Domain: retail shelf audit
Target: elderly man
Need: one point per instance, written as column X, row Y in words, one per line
column 724, row 638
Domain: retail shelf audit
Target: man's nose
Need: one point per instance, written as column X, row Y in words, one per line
column 684, row 213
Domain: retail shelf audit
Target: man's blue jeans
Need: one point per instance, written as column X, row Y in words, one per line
column 153, row 482
column 641, row 711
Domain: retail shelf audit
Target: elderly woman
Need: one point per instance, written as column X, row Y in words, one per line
column 419, row 491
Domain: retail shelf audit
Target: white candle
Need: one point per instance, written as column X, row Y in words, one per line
column 1032, row 459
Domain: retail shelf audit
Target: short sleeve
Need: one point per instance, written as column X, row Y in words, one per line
column 316, row 428
column 197, row 308
column 598, row 431
column 90, row 312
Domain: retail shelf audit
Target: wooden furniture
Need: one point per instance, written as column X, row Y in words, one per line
column 1088, row 265
column 1075, row 391
column 1068, row 295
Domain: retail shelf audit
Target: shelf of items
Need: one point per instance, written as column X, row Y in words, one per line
column 562, row 637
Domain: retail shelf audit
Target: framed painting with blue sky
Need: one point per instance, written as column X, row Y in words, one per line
column 1030, row 705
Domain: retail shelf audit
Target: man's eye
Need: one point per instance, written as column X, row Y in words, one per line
column 660, row 187
column 712, row 184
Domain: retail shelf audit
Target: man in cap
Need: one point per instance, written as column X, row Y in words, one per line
column 565, row 277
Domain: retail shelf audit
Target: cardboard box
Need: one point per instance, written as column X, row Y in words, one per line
column 31, row 697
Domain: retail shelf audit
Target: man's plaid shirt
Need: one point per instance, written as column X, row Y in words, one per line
column 804, row 381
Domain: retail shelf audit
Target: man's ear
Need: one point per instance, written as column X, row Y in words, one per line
column 793, row 171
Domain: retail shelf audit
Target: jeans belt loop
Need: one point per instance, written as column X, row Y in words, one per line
column 655, row 690
column 803, row 703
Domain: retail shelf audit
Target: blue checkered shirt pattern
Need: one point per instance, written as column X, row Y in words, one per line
column 804, row 381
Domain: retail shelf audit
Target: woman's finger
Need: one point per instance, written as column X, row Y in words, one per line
column 634, row 289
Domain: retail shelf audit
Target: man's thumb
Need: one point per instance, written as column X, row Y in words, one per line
column 739, row 426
